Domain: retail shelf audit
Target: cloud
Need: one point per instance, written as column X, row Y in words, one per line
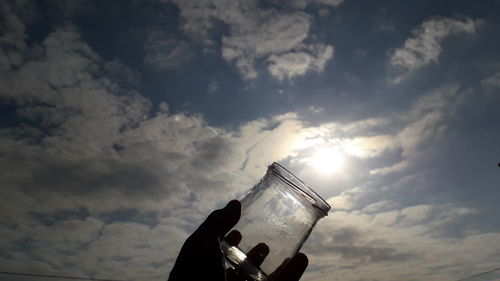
column 424, row 123
column 267, row 33
column 402, row 244
column 345, row 242
column 294, row 64
column 424, row 47
column 163, row 52
column 302, row 4
column 102, row 185
column 65, row 147
column 415, row 130
column 428, row 117
column 416, row 214
column 85, row 152
column 90, row 149
column 492, row 81
column 369, row 147
column 13, row 47
column 257, row 35
column 400, row 166
column 330, row 2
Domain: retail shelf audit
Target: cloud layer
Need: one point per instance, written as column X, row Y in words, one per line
column 105, row 181
column 424, row 47
column 258, row 34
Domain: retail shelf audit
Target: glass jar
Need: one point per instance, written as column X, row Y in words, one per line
column 280, row 211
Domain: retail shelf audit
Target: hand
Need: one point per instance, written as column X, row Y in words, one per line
column 201, row 257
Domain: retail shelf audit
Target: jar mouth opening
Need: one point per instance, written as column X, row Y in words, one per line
column 304, row 191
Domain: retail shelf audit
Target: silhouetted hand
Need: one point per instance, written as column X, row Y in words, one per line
column 201, row 257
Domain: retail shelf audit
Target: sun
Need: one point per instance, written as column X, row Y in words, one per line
column 327, row 160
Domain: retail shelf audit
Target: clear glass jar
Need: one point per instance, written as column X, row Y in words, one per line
column 280, row 211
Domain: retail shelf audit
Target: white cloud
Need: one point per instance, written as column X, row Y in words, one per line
column 493, row 81
column 421, row 131
column 416, row 214
column 97, row 147
column 94, row 148
column 424, row 123
column 369, row 147
column 400, row 166
column 290, row 65
column 257, row 34
column 275, row 33
column 424, row 47
column 428, row 117
column 340, row 202
column 268, row 33
column 380, row 207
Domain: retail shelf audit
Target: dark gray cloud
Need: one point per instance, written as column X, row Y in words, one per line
column 348, row 243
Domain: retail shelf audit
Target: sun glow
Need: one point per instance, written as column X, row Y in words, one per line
column 327, row 160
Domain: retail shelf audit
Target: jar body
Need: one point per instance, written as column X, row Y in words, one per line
column 280, row 211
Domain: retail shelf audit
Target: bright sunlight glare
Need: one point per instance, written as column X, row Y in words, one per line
column 327, row 160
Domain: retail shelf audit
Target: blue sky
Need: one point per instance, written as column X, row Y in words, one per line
column 124, row 123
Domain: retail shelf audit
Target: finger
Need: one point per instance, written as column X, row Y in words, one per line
column 294, row 269
column 233, row 238
column 219, row 222
column 257, row 254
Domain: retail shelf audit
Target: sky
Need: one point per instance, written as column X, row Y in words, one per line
column 123, row 124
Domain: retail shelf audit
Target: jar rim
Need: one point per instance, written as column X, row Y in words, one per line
column 307, row 193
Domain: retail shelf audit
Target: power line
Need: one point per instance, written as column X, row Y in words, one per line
column 56, row 276
column 479, row 274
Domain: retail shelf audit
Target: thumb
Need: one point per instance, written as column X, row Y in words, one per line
column 219, row 222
